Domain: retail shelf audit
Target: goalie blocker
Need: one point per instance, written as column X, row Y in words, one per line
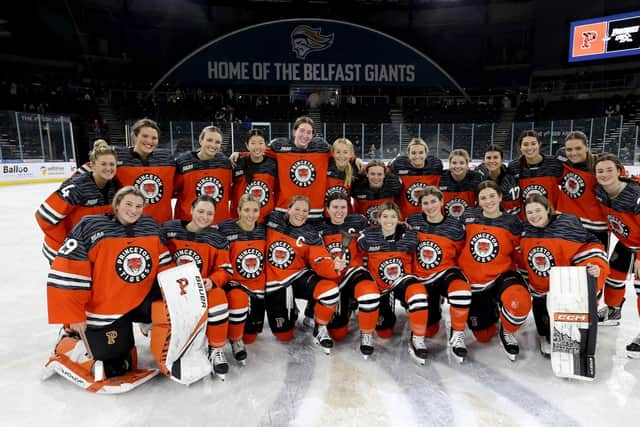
column 572, row 306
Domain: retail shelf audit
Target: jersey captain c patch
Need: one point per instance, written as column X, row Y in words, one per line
column 540, row 260
column 281, row 254
column 134, row 264
column 484, row 247
column 302, row 173
column 150, row 186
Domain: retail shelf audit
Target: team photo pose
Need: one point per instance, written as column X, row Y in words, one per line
column 339, row 232
column 389, row 248
column 84, row 194
column 488, row 261
column 555, row 239
column 256, row 174
column 204, row 172
column 101, row 281
column 340, row 176
column 435, row 263
column 620, row 200
column 148, row 168
column 373, row 189
column 246, row 237
column 458, row 184
column 535, row 172
column 197, row 242
column 494, row 169
column 416, row 170
column 299, row 266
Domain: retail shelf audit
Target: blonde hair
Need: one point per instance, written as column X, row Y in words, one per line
column 417, row 141
column 348, row 173
column 213, row 129
column 125, row 191
column 460, row 152
column 101, row 148
column 389, row 206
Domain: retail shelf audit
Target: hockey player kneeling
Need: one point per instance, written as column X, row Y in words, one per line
column 572, row 312
column 178, row 334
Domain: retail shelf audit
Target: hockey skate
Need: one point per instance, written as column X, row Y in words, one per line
column 633, row 349
column 510, row 344
column 239, row 351
column 366, row 344
column 610, row 316
column 219, row 365
column 308, row 323
column 322, row 338
column 458, row 348
column 418, row 349
column 545, row 345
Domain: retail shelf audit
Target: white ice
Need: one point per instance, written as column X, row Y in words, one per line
column 296, row 384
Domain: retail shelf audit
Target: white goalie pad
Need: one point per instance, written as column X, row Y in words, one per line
column 573, row 319
column 186, row 300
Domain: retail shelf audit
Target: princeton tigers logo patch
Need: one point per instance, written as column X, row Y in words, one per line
column 134, row 264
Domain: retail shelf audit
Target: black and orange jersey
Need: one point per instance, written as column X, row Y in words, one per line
column 459, row 195
column 247, row 253
column 208, row 249
column 195, row 178
column 104, row 270
column 542, row 178
column 336, row 182
column 292, row 251
column 623, row 213
column 577, row 195
column 508, row 186
column 490, row 246
column 389, row 260
column 343, row 239
column 262, row 184
column 413, row 180
column 366, row 199
column 439, row 245
column 563, row 242
column 153, row 176
column 301, row 172
column 62, row 210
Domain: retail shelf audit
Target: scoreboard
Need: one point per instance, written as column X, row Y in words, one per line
column 605, row 37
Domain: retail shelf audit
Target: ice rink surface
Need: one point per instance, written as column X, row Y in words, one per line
column 296, row 384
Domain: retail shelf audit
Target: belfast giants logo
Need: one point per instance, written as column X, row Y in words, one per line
column 186, row 255
column 302, row 173
column 456, row 207
column 250, row 263
column 306, row 39
column 540, row 261
column 413, row 192
column 210, row 186
column 133, row 264
column 618, row 226
column 572, row 185
column 150, row 186
column 391, row 270
column 484, row 247
column 532, row 189
column 281, row 254
column 259, row 190
column 429, row 254
column 335, row 250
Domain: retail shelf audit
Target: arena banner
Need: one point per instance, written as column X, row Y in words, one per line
column 28, row 173
column 605, row 37
column 308, row 51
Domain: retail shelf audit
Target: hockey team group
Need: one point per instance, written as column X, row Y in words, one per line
column 301, row 219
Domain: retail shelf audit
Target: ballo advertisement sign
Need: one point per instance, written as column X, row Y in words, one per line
column 12, row 173
column 308, row 51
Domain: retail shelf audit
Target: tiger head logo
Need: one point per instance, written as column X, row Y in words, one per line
column 306, row 39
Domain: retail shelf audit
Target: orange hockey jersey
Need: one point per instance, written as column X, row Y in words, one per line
column 195, row 177
column 414, row 180
column 459, row 195
column 343, row 239
column 153, row 176
column 490, row 246
column 366, row 199
column 247, row 254
column 208, row 249
column 263, row 184
column 104, row 270
column 623, row 214
column 563, row 242
column 336, row 182
column 76, row 198
column 292, row 251
column 509, row 187
column 542, row 178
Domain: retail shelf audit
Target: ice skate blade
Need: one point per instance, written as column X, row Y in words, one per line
column 417, row 359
